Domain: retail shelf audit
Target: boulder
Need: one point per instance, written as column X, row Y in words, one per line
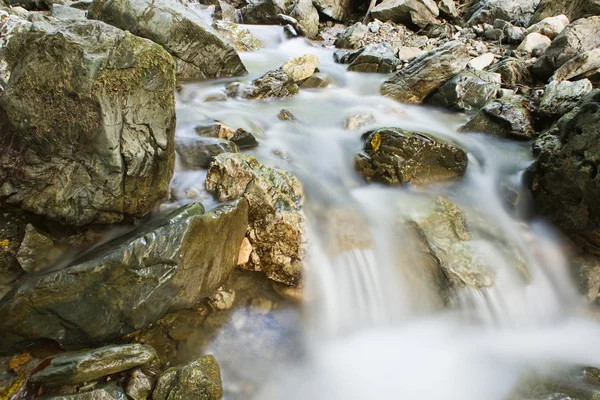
column 317, row 80
column 167, row 264
column 585, row 65
column 276, row 231
column 505, row 32
column 351, row 37
column 197, row 153
column 513, row 71
column 237, row 36
column 334, row 9
column 263, row 12
column 481, row 62
column 550, row 26
column 534, row 44
column 300, row 68
column 140, row 384
column 273, row 84
column 37, row 250
column 199, row 379
column 507, row 117
column 89, row 365
column 396, row 156
column 198, row 49
column 564, row 181
column 469, row 90
column 12, row 29
column 427, row 73
column 374, row 58
column 417, row 12
column 67, row 13
column 100, row 392
column 92, row 142
column 515, row 11
column 448, row 8
column 577, row 38
column 307, row 16
column 560, row 97
column 573, row 9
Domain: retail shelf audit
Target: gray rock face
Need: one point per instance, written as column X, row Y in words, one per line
column 577, row 38
column 197, row 380
column 277, row 231
column 515, row 11
column 585, row 65
column 93, row 364
column 560, row 97
column 167, row 264
column 198, row 152
column 199, row 51
column 565, row 184
column 238, row 36
column 396, row 156
column 513, row 71
column 351, row 37
column 418, row 12
column 469, row 90
column 534, row 44
column 93, row 141
column 427, row 73
column 140, row 384
column 504, row 117
column 263, row 12
column 67, row 13
column 273, row 84
column 573, row 9
column 335, row 9
column 36, row 251
column 102, row 392
column 374, row 58
column 551, row 26
column 307, row 16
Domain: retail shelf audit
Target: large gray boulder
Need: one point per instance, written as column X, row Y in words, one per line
column 198, row 49
column 426, row 73
column 560, row 97
column 513, row 71
column 577, row 38
column 197, row 380
column 167, row 264
column 514, row 11
column 92, row 141
column 418, row 12
column 565, row 182
column 307, row 15
column 374, row 58
column 469, row 90
column 585, row 65
column 573, row 9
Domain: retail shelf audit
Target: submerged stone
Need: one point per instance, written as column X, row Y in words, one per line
column 196, row 380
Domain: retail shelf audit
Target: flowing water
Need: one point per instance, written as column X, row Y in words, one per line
column 373, row 326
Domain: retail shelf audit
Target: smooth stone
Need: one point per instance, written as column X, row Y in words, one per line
column 560, row 97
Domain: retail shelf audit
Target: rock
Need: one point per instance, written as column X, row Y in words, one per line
column 286, row 115
column 448, row 8
column 374, row 58
column 573, row 9
column 276, row 232
column 101, row 392
column 577, row 38
column 237, row 36
column 12, row 232
column 67, row 13
column 396, row 156
column 13, row 30
column 427, row 73
column 34, row 5
column 586, row 65
column 242, row 139
column 560, row 97
column 128, row 283
column 510, row 33
column 223, row 299
column 199, row 379
column 301, row 68
column 200, row 53
column 418, row 12
column 273, row 84
column 564, row 181
column 351, row 37
column 408, row 53
column 513, row 71
column 307, row 15
column 93, row 364
column 140, row 384
column 534, row 44
column 335, row 9
column 82, row 4
column 359, row 120
column 245, row 251
column 214, row 129
column 506, row 117
column 93, row 141
column 550, row 26
column 481, row 62
column 197, row 153
column 316, row 81
column 469, row 90
column 263, row 12
column 515, row 11
column 37, row 250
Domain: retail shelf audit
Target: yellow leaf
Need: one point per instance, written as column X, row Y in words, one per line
column 19, row 360
column 4, row 242
column 376, row 142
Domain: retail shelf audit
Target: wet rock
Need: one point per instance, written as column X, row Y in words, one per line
column 93, row 364
column 263, row 12
column 198, row 152
column 237, row 36
column 276, row 232
column 242, row 139
column 12, row 231
column 565, row 184
column 245, row 251
column 351, row 37
column 550, row 26
column 300, row 68
column 586, row 65
column 273, row 84
column 286, row 115
column 200, row 53
column 223, row 299
column 359, row 120
column 507, row 117
column 214, row 129
column 335, row 9
column 469, row 90
column 36, row 251
column 316, row 81
column 481, row 62
column 560, row 97
column 374, row 58
column 396, row 156
column 534, row 44
column 577, row 38
column 102, row 392
column 573, row 9
column 519, row 11
column 140, row 384
column 67, row 13
column 129, row 282
column 307, row 16
column 199, row 379
column 513, row 71
column 418, row 12
column 93, row 141
column 427, row 73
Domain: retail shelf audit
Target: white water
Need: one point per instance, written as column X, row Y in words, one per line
column 373, row 331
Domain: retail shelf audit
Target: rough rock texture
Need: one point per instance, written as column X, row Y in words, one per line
column 166, row 264
column 573, row 9
column 300, row 68
column 550, row 27
column 448, row 8
column 565, row 183
column 91, row 142
column 335, row 9
column 67, row 13
column 307, row 16
column 427, row 73
column 199, row 51
column 196, row 380
column 418, row 12
column 12, row 232
column 519, row 11
column 263, row 12
column 374, row 58
column 101, row 392
column 11, row 37
column 276, row 232
column 351, row 37
column 237, row 36
column 469, row 90
column 560, row 97
column 481, row 62
column 577, row 38
column 534, row 44
column 36, row 251
column 140, row 384
column 585, row 65
column 513, row 71
column 90, row 365
column 198, row 152
column 506, row 117
column 273, row 84
column 316, row 81
column 396, row 156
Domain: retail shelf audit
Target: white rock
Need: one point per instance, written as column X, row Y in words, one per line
column 479, row 63
column 408, row 53
column 550, row 27
column 300, row 68
column 534, row 42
